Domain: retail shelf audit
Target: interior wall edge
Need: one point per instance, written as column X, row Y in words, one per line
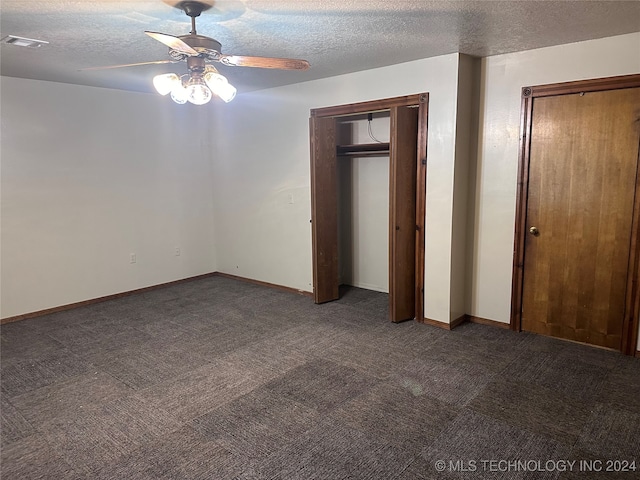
column 435, row 323
column 486, row 321
column 466, row 145
column 284, row 288
column 83, row 303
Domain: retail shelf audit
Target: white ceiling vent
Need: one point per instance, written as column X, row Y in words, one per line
column 23, row 42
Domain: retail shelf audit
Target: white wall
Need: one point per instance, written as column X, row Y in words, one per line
column 263, row 158
column 364, row 222
column 493, row 217
column 90, row 175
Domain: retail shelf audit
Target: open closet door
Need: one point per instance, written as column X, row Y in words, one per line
column 324, row 208
column 402, row 213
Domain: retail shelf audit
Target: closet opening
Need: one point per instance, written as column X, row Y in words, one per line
column 368, row 177
column 363, row 201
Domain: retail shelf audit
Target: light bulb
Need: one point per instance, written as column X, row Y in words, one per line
column 179, row 94
column 166, row 82
column 220, row 86
column 198, row 93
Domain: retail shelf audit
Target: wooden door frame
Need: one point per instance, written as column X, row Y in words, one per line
column 632, row 306
column 421, row 101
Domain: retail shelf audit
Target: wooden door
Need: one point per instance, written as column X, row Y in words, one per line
column 324, row 209
column 402, row 212
column 583, row 162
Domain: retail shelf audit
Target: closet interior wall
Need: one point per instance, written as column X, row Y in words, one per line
column 363, row 204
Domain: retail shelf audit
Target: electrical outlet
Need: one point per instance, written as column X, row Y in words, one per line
column 132, row 258
column 177, row 251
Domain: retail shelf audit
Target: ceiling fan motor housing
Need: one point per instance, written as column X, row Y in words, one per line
column 201, row 43
column 207, row 48
column 196, row 65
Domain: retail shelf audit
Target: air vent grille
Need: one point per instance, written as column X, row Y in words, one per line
column 23, row 42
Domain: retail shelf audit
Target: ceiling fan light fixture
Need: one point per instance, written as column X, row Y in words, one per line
column 197, row 91
column 219, row 85
column 165, row 83
column 180, row 94
column 202, row 81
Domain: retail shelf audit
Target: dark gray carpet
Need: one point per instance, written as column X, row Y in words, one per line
column 220, row 379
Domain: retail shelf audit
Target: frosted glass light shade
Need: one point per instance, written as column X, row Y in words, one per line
column 198, row 93
column 220, row 86
column 180, row 94
column 166, row 82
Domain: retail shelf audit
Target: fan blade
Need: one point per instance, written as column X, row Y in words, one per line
column 264, row 62
column 172, row 42
column 157, row 62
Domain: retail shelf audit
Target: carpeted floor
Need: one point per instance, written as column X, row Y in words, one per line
column 216, row 379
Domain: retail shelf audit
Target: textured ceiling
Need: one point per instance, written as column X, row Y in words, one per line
column 335, row 36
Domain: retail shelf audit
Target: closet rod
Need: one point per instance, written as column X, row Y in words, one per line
column 363, row 149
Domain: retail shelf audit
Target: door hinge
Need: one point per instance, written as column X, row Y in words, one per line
column 423, row 161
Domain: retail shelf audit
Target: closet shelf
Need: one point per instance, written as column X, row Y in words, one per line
column 363, row 149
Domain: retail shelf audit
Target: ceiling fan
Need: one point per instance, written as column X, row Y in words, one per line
column 202, row 80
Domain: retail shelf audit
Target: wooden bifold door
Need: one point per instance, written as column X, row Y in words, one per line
column 578, row 232
column 407, row 167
